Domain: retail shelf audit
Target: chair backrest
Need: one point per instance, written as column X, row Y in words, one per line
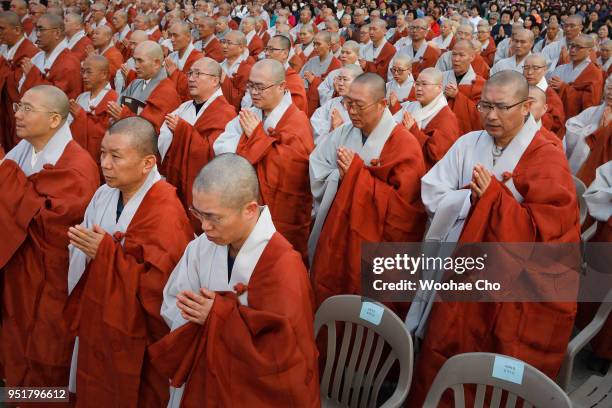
column 367, row 328
column 580, row 189
column 519, row 379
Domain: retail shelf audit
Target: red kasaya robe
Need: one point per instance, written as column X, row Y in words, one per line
column 430, row 57
column 488, row 54
column 600, row 143
column 35, row 213
column 262, row 355
column 438, row 136
column 125, row 51
column 115, row 60
column 295, row 85
column 480, row 66
column 281, row 161
column 554, row 118
column 255, row 47
column 397, row 35
column 65, row 73
column 583, row 93
column 380, row 65
column 313, row 92
column 374, row 203
column 537, row 333
column 179, row 77
column 464, row 105
column 79, row 49
column 214, row 50
column 163, row 100
column 234, row 88
column 119, row 299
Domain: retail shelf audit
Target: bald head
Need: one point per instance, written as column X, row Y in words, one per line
column 140, row 133
column 208, row 65
column 51, row 98
column 382, row 24
column 274, row 69
column 402, row 60
column 352, row 46
column 323, row 36
column 538, row 102
column 151, row 49
column 97, row 62
column 139, row 36
column 10, row 18
column 433, row 75
column 237, row 37
column 512, row 80
column 535, row 59
column 352, row 71
column 52, row 20
column 182, row 27
column 231, row 177
column 374, row 84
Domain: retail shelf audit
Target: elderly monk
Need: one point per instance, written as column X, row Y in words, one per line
column 401, row 29
column 605, row 58
column 76, row 40
column 349, row 55
column 379, row 164
column 236, row 67
column 55, row 64
column 487, row 44
column 552, row 35
column 102, row 39
column 377, row 54
column 429, row 118
column 580, row 82
column 538, row 110
column 521, row 44
column 254, row 43
column 472, row 200
column 317, row 68
column 534, row 71
column 179, row 62
column 480, row 66
column 20, row 7
column 47, row 181
column 303, row 50
column 89, row 112
column 588, row 140
column 333, row 113
column 276, row 137
column 401, row 87
column 127, row 73
column 239, row 303
column 153, row 95
column 557, row 52
column 208, row 43
column 423, row 55
column 121, row 256
column 446, row 39
column 462, row 87
column 18, row 47
column 122, row 34
column 186, row 137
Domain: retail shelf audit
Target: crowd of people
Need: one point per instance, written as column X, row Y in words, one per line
column 183, row 184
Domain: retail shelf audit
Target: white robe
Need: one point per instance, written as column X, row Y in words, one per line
column 445, row 62
column 317, row 66
column 322, row 118
column 87, row 103
column 568, row 73
column 552, row 52
column 501, row 52
column 509, row 64
column 599, row 194
column 401, row 90
column 441, row 42
column 422, row 114
column 578, row 128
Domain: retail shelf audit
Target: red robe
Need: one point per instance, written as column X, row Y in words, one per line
column 88, row 128
column 36, row 211
column 65, row 73
column 191, row 149
column 179, row 77
column 155, row 35
column 79, row 48
column 380, row 65
column 464, row 105
column 430, row 57
column 600, row 143
column 234, row 88
column 125, row 51
column 537, row 333
column 396, row 107
column 115, row 60
column 264, row 35
column 163, row 100
column 262, row 355
column 438, row 136
column 298, row 60
column 584, row 92
column 255, row 47
column 10, row 74
column 281, row 161
column 313, row 88
column 554, row 118
column 397, row 35
column 295, row 85
column 119, row 299
column 28, row 25
column 374, row 203
column 214, row 50
column 488, row 54
column 480, row 67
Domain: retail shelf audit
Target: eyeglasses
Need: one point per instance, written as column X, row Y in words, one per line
column 270, row 49
column 533, row 67
column 576, row 46
column 396, row 70
column 352, row 105
column 257, row 88
column 486, row 107
column 213, row 219
column 28, row 108
column 39, row 29
column 199, row 74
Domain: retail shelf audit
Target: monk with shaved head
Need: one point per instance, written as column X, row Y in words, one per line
column 208, row 43
column 236, row 67
column 423, row 55
column 47, row 181
column 179, row 62
column 377, row 54
column 103, row 43
column 227, row 341
column 361, row 166
column 76, row 40
column 153, row 95
column 127, row 72
column 508, row 183
column 274, row 134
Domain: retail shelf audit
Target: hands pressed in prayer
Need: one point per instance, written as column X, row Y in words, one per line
column 606, row 118
column 336, row 119
column 501, row 33
column 345, row 158
column 309, row 76
column 26, row 65
column 172, row 121
column 481, row 178
column 407, row 120
column 125, row 70
column 248, row 121
column 170, row 66
column 195, row 307
column 87, row 240
column 393, row 99
column 363, row 63
column 114, row 109
column 450, row 90
column 555, row 82
column 75, row 108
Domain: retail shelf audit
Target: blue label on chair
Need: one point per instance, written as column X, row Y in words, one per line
column 371, row 312
column 508, row 369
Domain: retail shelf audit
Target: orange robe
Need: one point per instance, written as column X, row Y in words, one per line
column 536, row 333
column 464, row 105
column 28, row 25
column 179, row 77
column 480, row 66
column 36, row 211
column 430, row 57
column 162, row 101
column 79, row 48
column 119, row 299
column 281, row 161
column 255, row 47
column 191, row 149
column 115, row 60
column 313, row 92
column 438, row 136
column 295, row 85
column 263, row 354
column 374, row 203
column 554, row 118
column 380, row 65
column 65, row 73
column 214, row 50
column 488, row 54
column 397, row 35
column 584, row 92
column 234, row 88
column 155, row 35
column 125, row 51
column 600, row 143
